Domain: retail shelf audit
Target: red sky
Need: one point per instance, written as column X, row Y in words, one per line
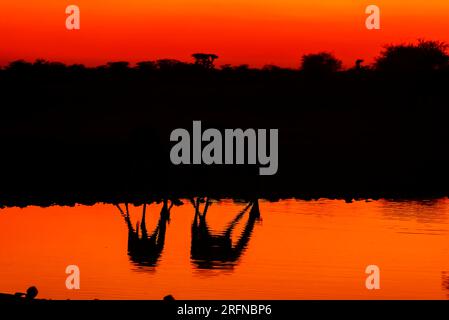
column 256, row 32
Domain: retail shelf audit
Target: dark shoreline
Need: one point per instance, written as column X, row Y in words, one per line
column 71, row 200
column 78, row 135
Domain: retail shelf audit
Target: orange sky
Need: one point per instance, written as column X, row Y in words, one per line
column 257, row 32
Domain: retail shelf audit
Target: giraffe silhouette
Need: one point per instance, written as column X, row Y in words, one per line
column 145, row 249
column 211, row 251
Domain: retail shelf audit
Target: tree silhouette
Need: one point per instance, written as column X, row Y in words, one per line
column 118, row 66
column 146, row 66
column 242, row 68
column 271, row 68
column 169, row 64
column 19, row 66
column 320, row 63
column 205, row 60
column 420, row 57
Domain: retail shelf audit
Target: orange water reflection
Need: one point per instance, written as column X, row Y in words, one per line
column 295, row 250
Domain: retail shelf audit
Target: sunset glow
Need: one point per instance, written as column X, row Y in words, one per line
column 244, row 31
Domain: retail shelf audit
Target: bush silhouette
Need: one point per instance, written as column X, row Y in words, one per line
column 421, row 57
column 118, row 66
column 146, row 66
column 170, row 65
column 320, row 63
column 205, row 60
column 20, row 66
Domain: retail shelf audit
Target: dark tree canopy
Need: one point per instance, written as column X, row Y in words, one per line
column 320, row 63
column 169, row 64
column 419, row 57
column 205, row 60
column 20, row 66
column 146, row 66
column 118, row 66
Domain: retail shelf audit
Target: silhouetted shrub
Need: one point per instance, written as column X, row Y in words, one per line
column 320, row 63
column 421, row 57
column 271, row 68
column 171, row 65
column 118, row 66
column 205, row 60
column 20, row 66
column 146, row 66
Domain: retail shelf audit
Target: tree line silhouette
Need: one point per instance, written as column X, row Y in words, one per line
column 423, row 56
column 71, row 131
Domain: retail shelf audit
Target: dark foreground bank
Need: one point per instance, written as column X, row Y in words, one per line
column 266, row 309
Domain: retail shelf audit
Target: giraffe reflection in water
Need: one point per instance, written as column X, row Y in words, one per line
column 216, row 251
column 145, row 249
column 208, row 250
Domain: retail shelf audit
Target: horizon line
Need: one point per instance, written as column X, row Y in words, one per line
column 369, row 62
